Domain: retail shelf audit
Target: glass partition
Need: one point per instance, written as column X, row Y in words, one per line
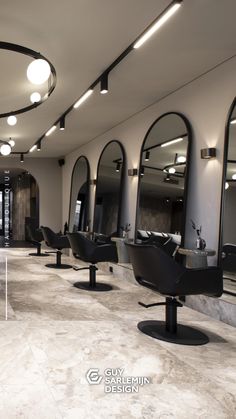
column 108, row 201
column 163, row 179
column 228, row 237
column 79, row 199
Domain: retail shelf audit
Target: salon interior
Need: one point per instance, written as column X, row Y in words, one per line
column 117, row 209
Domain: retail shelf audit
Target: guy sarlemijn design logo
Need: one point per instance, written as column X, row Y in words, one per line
column 93, row 376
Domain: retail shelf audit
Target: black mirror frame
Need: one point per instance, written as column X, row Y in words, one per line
column 186, row 183
column 121, row 181
column 88, row 189
column 225, row 158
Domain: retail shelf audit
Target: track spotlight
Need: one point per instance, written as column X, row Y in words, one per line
column 83, row 98
column 22, row 158
column 50, row 130
column 39, row 146
column 104, row 84
column 118, row 167
column 147, row 156
column 142, row 171
column 62, row 123
column 168, row 12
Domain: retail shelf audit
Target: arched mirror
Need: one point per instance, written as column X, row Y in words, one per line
column 108, row 200
column 227, row 251
column 79, row 197
column 163, row 179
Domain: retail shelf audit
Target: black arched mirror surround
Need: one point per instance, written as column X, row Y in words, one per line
column 108, row 199
column 163, row 178
column 227, row 242
column 79, row 196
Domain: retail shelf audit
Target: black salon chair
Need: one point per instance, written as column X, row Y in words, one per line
column 58, row 242
column 165, row 242
column 155, row 269
column 229, row 257
column 35, row 236
column 88, row 251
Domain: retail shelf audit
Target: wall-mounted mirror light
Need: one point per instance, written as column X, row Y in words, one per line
column 227, row 250
column 163, row 179
column 108, row 200
column 208, row 153
column 79, row 198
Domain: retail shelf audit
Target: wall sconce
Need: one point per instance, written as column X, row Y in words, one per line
column 93, row 182
column 132, row 172
column 208, row 153
column 118, row 167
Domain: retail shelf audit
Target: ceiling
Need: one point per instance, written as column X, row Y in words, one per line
column 82, row 38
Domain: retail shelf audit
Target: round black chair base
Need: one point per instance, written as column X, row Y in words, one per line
column 99, row 287
column 185, row 335
column 39, row 255
column 55, row 266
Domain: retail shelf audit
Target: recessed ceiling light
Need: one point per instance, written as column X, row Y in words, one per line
column 33, row 148
column 158, row 23
column 176, row 140
column 50, row 130
column 83, row 98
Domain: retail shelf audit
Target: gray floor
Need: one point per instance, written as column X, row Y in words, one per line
column 230, row 282
column 55, row 333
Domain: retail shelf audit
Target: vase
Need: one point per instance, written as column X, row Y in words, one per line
column 200, row 243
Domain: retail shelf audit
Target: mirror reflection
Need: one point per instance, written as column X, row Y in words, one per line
column 229, row 226
column 79, row 201
column 108, row 201
column 163, row 180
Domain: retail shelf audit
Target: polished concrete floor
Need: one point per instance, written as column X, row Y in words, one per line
column 56, row 333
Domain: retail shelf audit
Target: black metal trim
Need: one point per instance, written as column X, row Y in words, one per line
column 122, row 179
column 106, row 72
column 225, row 160
column 36, row 55
column 88, row 188
column 186, row 183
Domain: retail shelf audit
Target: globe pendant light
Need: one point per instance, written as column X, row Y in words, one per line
column 35, row 97
column 11, row 120
column 38, row 71
column 5, row 149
